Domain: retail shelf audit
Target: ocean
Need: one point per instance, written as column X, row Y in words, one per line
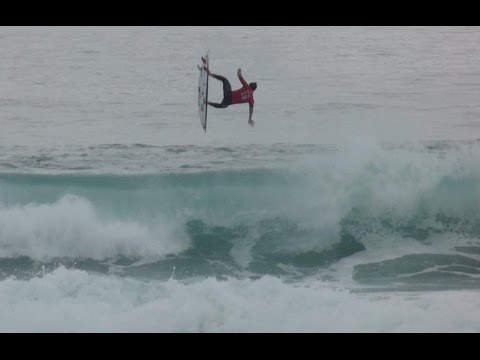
column 351, row 206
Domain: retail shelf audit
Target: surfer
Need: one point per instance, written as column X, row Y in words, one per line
column 240, row 96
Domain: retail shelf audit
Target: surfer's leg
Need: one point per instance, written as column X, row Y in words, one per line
column 218, row 106
column 227, row 101
column 227, row 88
column 227, row 92
column 226, row 84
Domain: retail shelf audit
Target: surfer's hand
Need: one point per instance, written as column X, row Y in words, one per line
column 239, row 72
column 251, row 123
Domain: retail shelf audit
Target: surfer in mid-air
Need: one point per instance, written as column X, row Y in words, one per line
column 240, row 96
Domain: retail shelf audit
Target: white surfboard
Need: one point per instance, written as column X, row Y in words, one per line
column 203, row 93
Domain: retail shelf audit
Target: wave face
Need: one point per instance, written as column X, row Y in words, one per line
column 387, row 216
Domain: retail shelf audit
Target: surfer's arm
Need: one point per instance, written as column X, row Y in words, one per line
column 250, row 113
column 240, row 77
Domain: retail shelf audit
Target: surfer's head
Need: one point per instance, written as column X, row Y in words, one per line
column 253, row 86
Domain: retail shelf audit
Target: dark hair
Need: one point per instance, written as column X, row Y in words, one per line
column 253, row 85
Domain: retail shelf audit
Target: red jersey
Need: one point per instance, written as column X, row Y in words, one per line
column 243, row 95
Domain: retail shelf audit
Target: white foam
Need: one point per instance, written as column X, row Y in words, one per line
column 72, row 227
column 74, row 301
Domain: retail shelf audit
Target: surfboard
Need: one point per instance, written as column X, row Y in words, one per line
column 203, row 92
